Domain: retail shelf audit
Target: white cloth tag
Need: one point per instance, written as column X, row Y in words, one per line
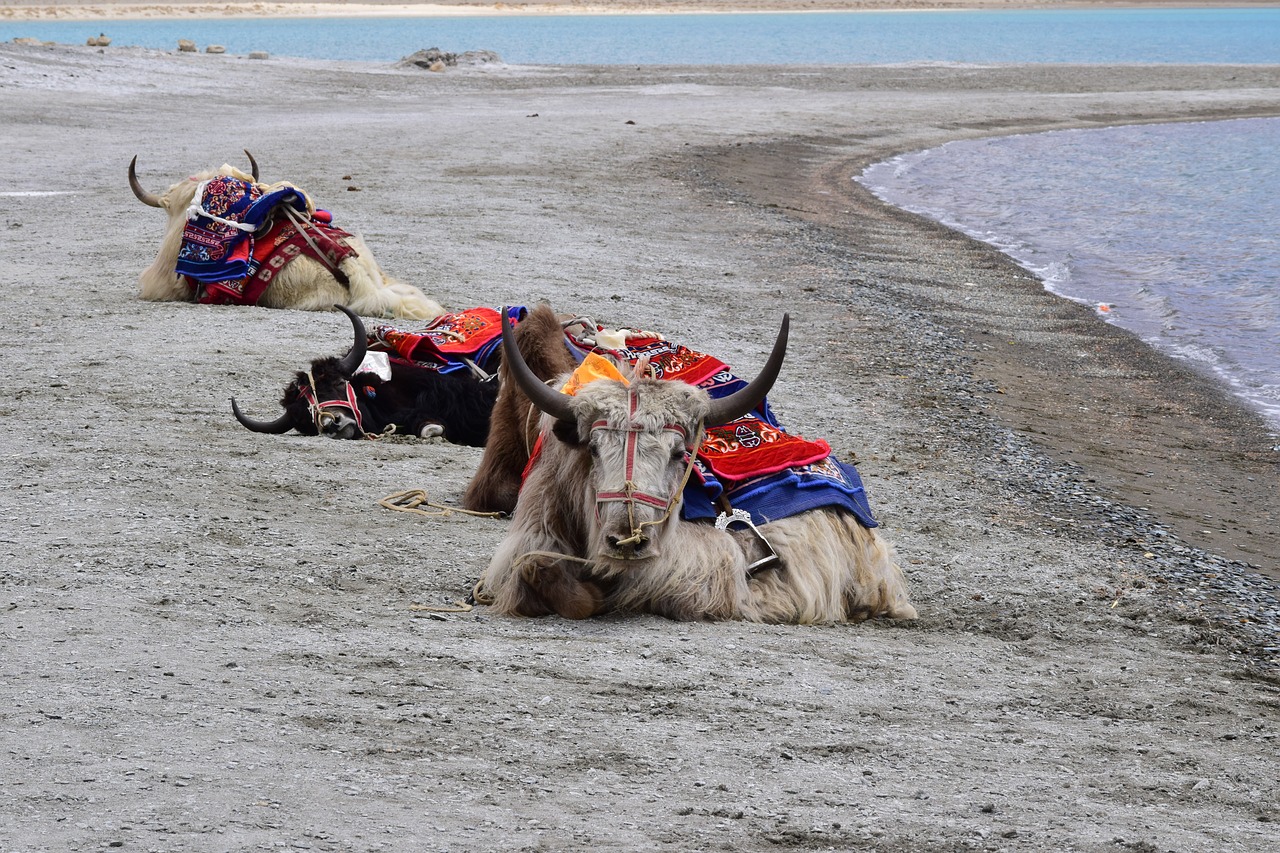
column 376, row 363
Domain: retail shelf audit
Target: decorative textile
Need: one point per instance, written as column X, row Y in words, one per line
column 449, row 340
column 828, row 482
column 224, row 257
column 272, row 252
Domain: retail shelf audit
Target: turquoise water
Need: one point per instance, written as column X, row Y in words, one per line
column 1169, row 231
column 1098, row 36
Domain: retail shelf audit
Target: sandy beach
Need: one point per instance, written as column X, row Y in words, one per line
column 212, row 639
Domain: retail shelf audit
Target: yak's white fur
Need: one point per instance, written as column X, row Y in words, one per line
column 832, row 569
column 304, row 283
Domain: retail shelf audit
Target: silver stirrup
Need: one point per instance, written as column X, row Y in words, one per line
column 723, row 520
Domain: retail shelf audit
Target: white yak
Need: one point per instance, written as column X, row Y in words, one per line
column 597, row 525
column 304, row 282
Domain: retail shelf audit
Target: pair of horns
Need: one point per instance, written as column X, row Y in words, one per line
column 723, row 410
column 151, row 199
column 348, row 366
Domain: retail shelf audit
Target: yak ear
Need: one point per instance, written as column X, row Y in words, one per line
column 567, row 431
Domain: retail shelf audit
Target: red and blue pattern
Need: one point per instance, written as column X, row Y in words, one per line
column 225, row 264
column 449, row 341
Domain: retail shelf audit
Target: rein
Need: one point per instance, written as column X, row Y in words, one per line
column 301, row 223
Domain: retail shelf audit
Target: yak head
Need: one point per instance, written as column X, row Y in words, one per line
column 636, row 436
column 161, row 280
column 320, row 401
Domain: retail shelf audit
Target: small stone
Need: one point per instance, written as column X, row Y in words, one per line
column 259, row 54
column 215, row 48
column 186, row 46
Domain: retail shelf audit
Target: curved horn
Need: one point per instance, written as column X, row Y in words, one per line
column 279, row 426
column 253, row 165
column 545, row 399
column 353, row 358
column 149, row 199
column 744, row 400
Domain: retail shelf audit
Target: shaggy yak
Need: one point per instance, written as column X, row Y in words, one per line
column 597, row 526
column 336, row 399
column 295, row 259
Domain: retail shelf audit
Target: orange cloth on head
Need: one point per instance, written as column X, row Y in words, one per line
column 593, row 367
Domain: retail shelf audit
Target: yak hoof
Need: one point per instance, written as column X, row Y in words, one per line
column 431, row 431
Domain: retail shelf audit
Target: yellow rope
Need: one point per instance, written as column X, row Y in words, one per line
column 411, row 500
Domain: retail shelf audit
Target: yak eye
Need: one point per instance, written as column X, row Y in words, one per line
column 677, row 455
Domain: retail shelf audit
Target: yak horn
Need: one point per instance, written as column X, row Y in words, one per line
column 355, row 357
column 149, row 199
column 545, row 399
column 279, row 426
column 253, row 165
column 744, row 400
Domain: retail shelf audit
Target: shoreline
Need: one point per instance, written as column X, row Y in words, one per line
column 89, row 10
column 1209, row 453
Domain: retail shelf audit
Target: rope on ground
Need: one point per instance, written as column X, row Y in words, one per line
column 456, row 607
column 413, row 499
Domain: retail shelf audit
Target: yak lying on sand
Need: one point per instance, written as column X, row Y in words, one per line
column 231, row 239
column 598, row 524
column 336, row 399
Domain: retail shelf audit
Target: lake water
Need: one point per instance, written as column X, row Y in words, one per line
column 1169, row 231
column 1107, row 36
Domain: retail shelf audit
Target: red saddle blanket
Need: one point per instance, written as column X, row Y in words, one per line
column 449, row 340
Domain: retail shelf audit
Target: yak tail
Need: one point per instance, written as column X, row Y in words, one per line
column 375, row 295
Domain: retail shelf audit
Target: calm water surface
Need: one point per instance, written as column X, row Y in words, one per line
column 1169, row 231
column 1107, row 36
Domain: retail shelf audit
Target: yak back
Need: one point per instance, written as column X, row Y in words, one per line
column 417, row 396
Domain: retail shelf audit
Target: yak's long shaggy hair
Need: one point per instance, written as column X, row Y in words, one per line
column 304, row 283
column 556, row 558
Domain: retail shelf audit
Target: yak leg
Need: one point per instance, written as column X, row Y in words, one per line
column 553, row 585
column 521, row 582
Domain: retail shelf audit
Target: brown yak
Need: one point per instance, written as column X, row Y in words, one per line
column 513, row 426
column 304, row 282
column 597, row 526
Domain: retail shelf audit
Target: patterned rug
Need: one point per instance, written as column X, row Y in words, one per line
column 224, row 257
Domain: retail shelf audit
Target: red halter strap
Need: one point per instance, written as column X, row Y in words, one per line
column 318, row 413
column 630, row 495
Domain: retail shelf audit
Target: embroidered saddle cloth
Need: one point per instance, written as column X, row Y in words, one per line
column 232, row 247
column 450, row 340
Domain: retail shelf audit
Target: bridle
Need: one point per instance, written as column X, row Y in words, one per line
column 322, row 418
column 630, row 495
